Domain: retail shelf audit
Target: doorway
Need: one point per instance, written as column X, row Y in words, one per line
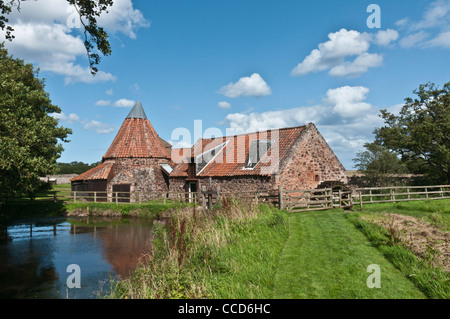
column 121, row 193
column 192, row 191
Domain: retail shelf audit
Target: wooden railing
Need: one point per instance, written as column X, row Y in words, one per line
column 292, row 200
column 399, row 194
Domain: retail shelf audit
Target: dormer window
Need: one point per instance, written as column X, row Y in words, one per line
column 205, row 158
column 256, row 151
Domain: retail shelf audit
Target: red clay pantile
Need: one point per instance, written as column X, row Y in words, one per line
column 230, row 161
column 99, row 172
column 136, row 138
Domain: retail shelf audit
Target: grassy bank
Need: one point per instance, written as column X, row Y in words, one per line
column 45, row 206
column 231, row 252
column 327, row 257
column 410, row 243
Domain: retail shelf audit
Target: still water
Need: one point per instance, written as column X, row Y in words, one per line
column 35, row 254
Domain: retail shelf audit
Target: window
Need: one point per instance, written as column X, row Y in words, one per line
column 205, row 158
column 256, row 152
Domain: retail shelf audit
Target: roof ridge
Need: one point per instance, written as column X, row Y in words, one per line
column 248, row 133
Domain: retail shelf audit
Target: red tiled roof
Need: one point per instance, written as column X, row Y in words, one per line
column 178, row 154
column 99, row 172
column 136, row 138
column 230, row 161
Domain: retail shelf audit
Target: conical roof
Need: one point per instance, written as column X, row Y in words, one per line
column 137, row 112
column 136, row 138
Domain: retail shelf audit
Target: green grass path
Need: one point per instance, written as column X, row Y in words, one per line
column 325, row 256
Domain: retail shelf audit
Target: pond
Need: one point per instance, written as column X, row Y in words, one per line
column 35, row 255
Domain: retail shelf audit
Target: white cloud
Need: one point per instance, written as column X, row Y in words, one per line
column 253, row 85
column 124, row 103
column 413, row 39
column 433, row 30
column 441, row 40
column 359, row 66
column 347, row 101
column 103, row 103
column 344, row 118
column 385, row 37
column 224, row 105
column 109, row 92
column 118, row 103
column 98, row 127
column 437, row 14
column 46, row 34
column 122, row 17
column 332, row 54
column 71, row 118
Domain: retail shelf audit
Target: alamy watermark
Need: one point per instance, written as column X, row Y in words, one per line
column 74, row 280
column 373, row 20
column 238, row 142
column 374, row 280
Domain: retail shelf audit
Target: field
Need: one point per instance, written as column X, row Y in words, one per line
column 261, row 252
column 243, row 250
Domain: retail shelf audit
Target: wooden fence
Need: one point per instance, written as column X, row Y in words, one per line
column 305, row 200
column 291, row 200
column 361, row 196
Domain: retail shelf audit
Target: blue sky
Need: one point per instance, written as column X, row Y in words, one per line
column 246, row 65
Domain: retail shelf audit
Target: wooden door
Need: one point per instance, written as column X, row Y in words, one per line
column 121, row 193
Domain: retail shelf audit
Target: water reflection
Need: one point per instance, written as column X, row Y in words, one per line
column 34, row 255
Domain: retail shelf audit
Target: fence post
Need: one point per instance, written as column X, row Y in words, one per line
column 203, row 196
column 280, row 197
column 74, row 196
column 360, row 201
column 95, row 197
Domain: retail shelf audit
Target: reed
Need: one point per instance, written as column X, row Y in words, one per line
column 194, row 251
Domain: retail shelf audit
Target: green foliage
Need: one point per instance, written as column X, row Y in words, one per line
column 433, row 282
column 74, row 167
column 326, row 257
column 88, row 10
column 379, row 165
column 230, row 252
column 421, row 132
column 29, row 136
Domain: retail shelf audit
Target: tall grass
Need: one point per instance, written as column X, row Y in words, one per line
column 229, row 252
column 433, row 282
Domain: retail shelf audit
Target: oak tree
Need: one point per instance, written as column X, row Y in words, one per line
column 420, row 133
column 30, row 138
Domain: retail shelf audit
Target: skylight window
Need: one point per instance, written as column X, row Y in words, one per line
column 256, row 152
column 205, row 158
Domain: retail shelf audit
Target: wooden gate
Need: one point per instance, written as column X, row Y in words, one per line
column 305, row 200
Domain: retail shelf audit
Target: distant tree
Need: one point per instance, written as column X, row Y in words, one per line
column 421, row 132
column 88, row 10
column 74, row 167
column 379, row 165
column 29, row 136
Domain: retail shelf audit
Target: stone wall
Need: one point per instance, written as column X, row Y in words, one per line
column 238, row 184
column 309, row 162
column 144, row 174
